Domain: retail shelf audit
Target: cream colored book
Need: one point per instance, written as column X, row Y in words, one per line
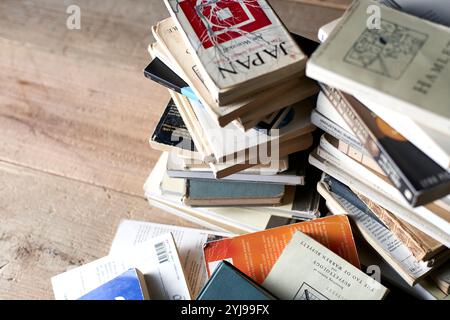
column 178, row 57
column 405, row 64
column 431, row 141
column 306, row 270
column 240, row 47
column 237, row 220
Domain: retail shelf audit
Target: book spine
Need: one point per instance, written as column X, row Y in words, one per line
column 336, row 131
column 371, row 144
column 396, row 227
column 363, row 159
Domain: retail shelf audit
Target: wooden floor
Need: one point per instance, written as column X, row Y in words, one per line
column 75, row 117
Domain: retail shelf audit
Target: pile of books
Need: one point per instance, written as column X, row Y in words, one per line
column 322, row 171
column 384, row 108
column 237, row 132
column 162, row 262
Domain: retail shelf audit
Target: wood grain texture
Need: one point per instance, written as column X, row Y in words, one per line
column 50, row 224
column 75, row 116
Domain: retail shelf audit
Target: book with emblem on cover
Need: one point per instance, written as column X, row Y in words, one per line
column 404, row 64
column 171, row 48
column 307, row 270
column 241, row 47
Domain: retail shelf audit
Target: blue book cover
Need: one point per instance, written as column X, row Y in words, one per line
column 130, row 285
column 228, row 283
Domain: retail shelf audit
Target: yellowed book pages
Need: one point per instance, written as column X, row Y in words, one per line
column 421, row 245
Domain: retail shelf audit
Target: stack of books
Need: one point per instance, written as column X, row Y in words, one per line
column 384, row 108
column 237, row 131
column 368, row 192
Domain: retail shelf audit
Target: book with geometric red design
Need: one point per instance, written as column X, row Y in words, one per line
column 241, row 47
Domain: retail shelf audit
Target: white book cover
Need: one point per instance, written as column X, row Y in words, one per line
column 225, row 142
column 307, row 270
column 157, row 260
column 404, row 64
column 236, row 42
column 331, row 154
column 189, row 242
column 432, row 142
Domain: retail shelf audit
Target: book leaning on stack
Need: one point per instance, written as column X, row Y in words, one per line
column 237, row 131
column 384, row 108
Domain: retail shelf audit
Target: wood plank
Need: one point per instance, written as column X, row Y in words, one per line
column 50, row 224
column 75, row 103
column 75, row 116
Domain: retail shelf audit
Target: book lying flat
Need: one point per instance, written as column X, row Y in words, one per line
column 240, row 47
column 228, row 283
column 189, row 242
column 208, row 193
column 307, row 270
column 431, row 141
column 294, row 175
column 404, row 64
column 171, row 48
column 256, row 253
column 238, row 220
column 229, row 140
column 130, row 285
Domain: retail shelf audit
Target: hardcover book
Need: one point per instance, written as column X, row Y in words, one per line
column 293, row 175
column 240, row 46
column 256, row 253
column 130, row 285
column 395, row 155
column 307, row 270
column 404, row 64
column 228, row 283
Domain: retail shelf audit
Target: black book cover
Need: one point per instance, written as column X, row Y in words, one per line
column 172, row 131
column 162, row 74
column 412, row 172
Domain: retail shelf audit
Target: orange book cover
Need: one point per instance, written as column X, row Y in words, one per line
column 256, row 253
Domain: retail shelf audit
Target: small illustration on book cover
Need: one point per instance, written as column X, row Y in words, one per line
column 388, row 51
column 216, row 22
column 306, row 292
